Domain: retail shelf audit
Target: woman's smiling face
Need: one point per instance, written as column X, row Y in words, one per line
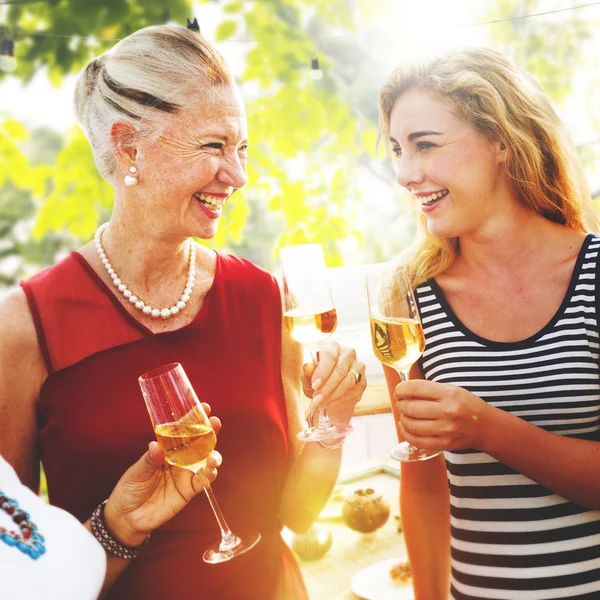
column 197, row 163
column 455, row 172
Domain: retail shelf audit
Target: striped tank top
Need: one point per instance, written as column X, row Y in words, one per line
column 513, row 539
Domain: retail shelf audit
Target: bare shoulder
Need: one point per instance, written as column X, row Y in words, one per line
column 16, row 323
column 206, row 265
column 22, row 374
column 560, row 253
column 20, row 351
column 561, row 246
column 90, row 253
column 567, row 244
column 206, row 257
column 572, row 237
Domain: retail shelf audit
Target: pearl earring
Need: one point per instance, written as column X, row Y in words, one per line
column 131, row 180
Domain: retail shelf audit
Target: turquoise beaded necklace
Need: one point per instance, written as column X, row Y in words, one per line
column 27, row 540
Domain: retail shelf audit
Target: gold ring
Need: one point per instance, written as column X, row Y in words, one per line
column 357, row 376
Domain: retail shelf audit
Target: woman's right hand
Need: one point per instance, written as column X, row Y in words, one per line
column 150, row 492
column 442, row 416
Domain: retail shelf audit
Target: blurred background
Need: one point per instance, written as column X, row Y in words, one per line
column 310, row 71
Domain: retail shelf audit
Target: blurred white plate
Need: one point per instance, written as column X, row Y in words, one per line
column 374, row 582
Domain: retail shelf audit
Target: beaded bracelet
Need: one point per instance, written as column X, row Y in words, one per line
column 108, row 542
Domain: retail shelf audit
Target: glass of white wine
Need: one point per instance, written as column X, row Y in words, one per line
column 310, row 318
column 397, row 335
column 185, row 434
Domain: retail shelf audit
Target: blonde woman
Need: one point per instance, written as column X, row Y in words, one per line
column 505, row 273
column 168, row 130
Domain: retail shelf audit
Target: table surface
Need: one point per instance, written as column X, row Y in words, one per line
column 376, row 399
column 329, row 577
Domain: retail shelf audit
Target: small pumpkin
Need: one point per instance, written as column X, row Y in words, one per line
column 313, row 544
column 365, row 511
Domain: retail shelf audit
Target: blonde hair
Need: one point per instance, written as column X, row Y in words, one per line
column 143, row 79
column 503, row 102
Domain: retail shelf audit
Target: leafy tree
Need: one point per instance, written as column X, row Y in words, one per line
column 79, row 30
column 21, row 180
column 559, row 53
column 295, row 122
column 312, row 142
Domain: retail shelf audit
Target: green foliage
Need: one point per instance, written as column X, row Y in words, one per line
column 108, row 21
column 43, row 487
column 14, row 167
column 79, row 196
column 22, row 181
column 548, row 48
column 307, row 144
column 294, row 122
column 311, row 142
column 226, row 29
column 556, row 52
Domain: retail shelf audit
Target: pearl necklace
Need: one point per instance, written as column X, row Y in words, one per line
column 146, row 309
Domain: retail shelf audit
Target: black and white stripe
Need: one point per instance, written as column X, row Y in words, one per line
column 513, row 539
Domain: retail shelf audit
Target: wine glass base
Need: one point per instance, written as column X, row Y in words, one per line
column 319, row 434
column 245, row 542
column 405, row 452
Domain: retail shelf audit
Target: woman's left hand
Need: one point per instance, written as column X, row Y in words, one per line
column 151, row 492
column 441, row 416
column 336, row 382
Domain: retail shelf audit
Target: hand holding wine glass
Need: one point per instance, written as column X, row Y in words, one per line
column 148, row 495
column 397, row 334
column 310, row 318
column 187, row 438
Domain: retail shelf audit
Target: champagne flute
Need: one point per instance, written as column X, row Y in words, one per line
column 397, row 335
column 185, row 434
column 310, row 318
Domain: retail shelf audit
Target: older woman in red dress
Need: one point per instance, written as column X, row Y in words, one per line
column 168, row 130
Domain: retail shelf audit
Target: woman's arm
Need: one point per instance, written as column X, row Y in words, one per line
column 22, row 373
column 425, row 510
column 149, row 494
column 436, row 415
column 313, row 469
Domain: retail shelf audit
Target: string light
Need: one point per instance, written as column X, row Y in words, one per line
column 8, row 62
column 315, row 70
column 277, row 41
column 6, row 2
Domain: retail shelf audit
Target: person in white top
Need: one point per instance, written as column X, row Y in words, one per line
column 46, row 552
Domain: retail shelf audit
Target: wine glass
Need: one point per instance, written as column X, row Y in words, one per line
column 397, row 335
column 185, row 434
column 310, row 318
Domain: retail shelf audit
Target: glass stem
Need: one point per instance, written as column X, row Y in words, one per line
column 228, row 539
column 403, row 374
column 324, row 422
column 404, row 377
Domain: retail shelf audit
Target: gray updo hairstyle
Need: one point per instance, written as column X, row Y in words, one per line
column 143, row 79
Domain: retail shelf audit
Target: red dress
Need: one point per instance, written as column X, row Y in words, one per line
column 94, row 423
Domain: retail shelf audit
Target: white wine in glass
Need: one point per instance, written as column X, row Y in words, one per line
column 186, row 445
column 310, row 329
column 185, row 434
column 310, row 318
column 397, row 335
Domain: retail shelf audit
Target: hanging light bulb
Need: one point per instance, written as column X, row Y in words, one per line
column 91, row 42
column 8, row 62
column 315, row 70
